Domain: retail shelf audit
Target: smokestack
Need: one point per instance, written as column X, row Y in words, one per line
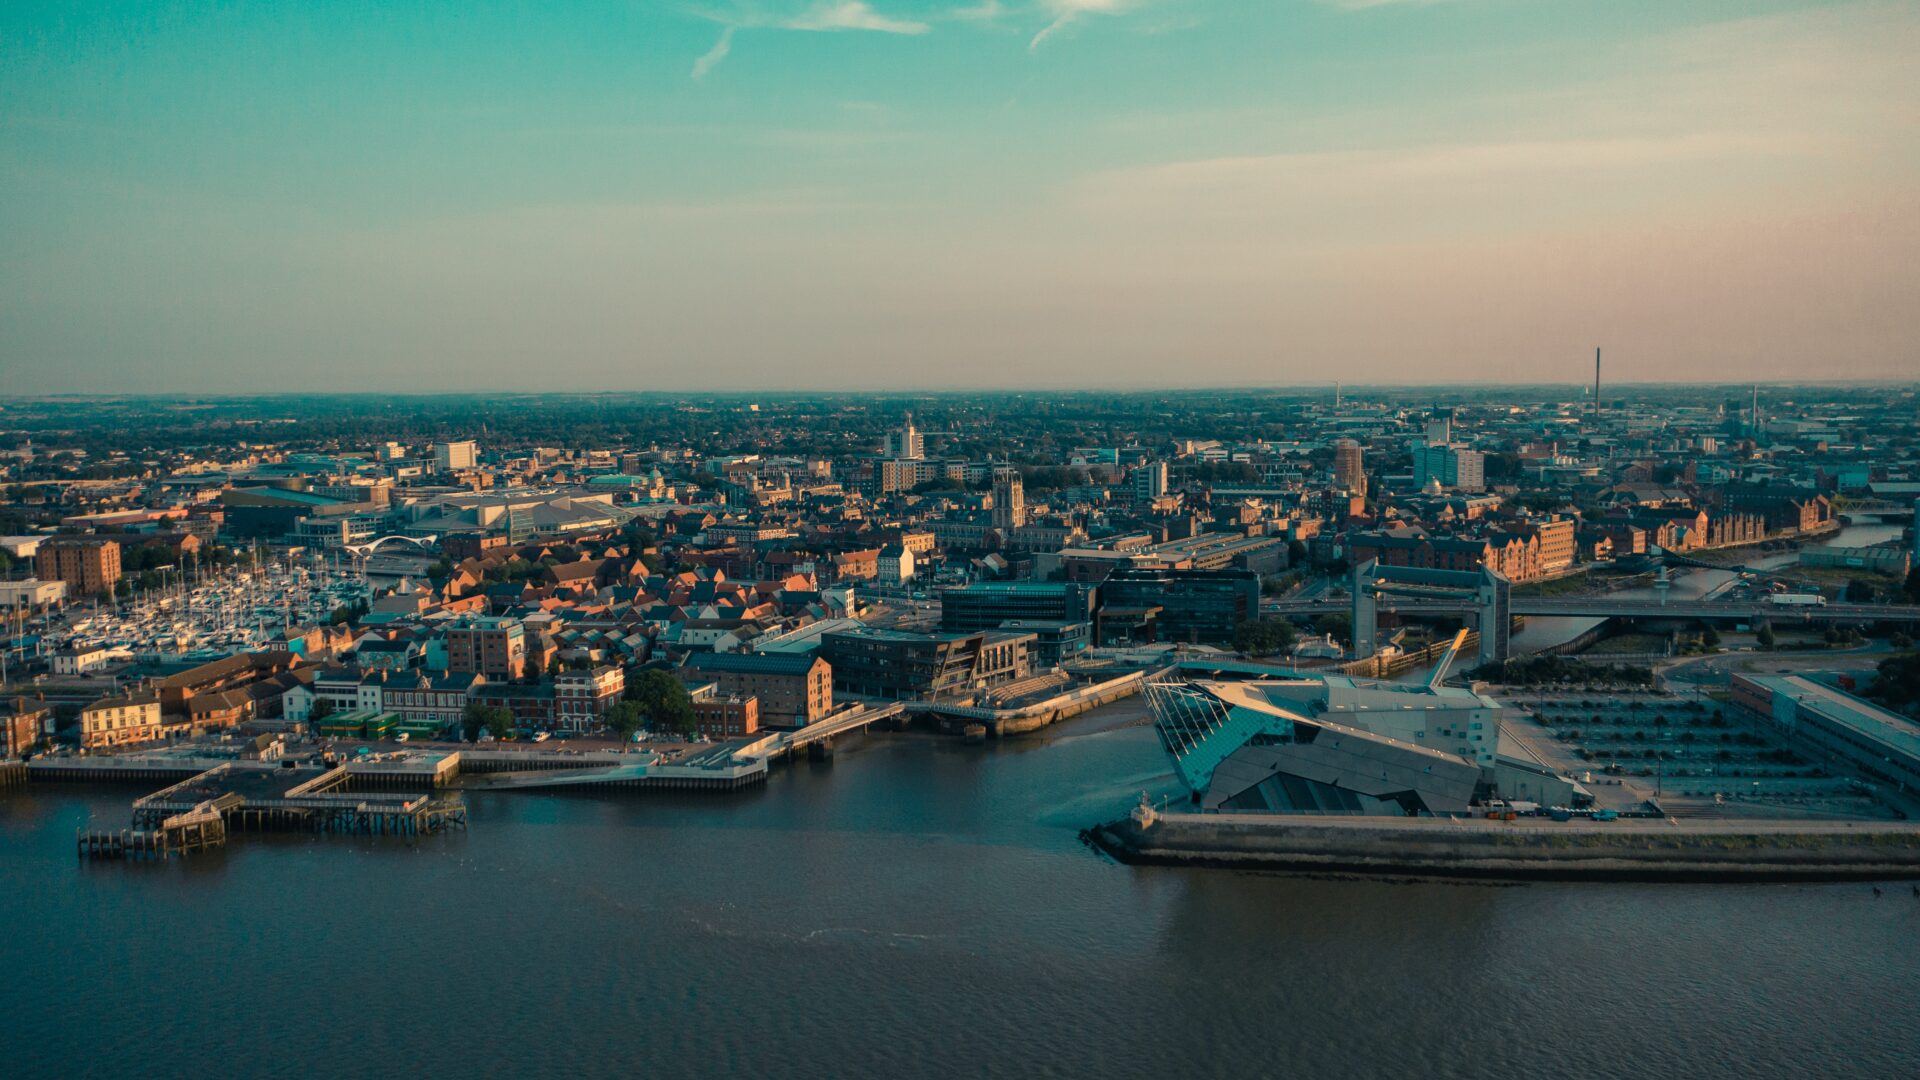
column 1596, row 381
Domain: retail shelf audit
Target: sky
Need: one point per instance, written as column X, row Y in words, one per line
column 255, row 196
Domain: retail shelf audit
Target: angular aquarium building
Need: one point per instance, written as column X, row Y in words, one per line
column 1328, row 745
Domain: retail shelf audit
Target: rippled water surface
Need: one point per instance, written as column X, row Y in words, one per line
column 917, row 907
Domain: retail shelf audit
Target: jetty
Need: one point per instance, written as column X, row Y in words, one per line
column 200, row 828
column 198, row 811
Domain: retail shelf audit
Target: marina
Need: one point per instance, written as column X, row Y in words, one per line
column 202, row 615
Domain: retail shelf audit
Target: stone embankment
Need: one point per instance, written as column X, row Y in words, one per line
column 1530, row 849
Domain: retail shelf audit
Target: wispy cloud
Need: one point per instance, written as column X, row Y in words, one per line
column 714, row 55
column 1067, row 12
column 985, row 11
column 850, row 15
column 1362, row 5
column 824, row 17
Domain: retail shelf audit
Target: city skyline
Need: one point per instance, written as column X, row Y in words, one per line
column 912, row 196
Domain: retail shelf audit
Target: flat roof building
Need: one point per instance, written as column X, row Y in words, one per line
column 31, row 593
column 88, row 564
column 987, row 605
column 493, row 646
column 1881, row 744
column 900, row 664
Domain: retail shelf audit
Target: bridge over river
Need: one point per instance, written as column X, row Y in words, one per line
column 1630, row 608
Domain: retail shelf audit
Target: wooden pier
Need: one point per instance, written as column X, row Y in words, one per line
column 301, row 800
column 199, row 812
column 12, row 773
column 199, row 829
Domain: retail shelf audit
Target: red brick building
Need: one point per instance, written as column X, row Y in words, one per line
column 727, row 717
column 88, row 564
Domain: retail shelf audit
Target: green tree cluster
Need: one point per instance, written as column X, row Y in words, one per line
column 663, row 700
column 1263, row 637
column 497, row 720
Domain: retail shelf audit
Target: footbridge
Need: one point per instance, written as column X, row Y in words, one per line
column 858, row 718
column 418, row 543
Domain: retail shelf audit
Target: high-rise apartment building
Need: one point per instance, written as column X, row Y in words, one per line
column 1350, row 466
column 1453, row 467
column 1150, row 481
column 906, row 443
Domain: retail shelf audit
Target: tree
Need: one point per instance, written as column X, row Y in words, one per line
column 1263, row 637
column 1897, row 682
column 1859, row 592
column 322, row 708
column 625, row 718
column 495, row 719
column 1710, row 638
column 1911, row 588
column 1765, row 636
column 1335, row 625
column 664, row 701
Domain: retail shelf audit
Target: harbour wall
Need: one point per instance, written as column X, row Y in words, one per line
column 1628, row 850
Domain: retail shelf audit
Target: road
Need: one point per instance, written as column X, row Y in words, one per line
column 1606, row 607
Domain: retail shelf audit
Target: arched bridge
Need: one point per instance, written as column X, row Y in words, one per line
column 419, row 543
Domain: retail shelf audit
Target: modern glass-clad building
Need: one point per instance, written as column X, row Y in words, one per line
column 1332, row 745
column 1194, row 606
column 986, row 605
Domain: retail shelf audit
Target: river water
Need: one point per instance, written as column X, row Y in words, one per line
column 917, row 907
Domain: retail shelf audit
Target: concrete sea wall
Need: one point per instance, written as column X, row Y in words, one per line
column 1649, row 850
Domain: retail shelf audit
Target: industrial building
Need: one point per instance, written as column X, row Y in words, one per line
column 1882, row 745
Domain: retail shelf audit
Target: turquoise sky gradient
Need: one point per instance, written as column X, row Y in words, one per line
column 257, row 196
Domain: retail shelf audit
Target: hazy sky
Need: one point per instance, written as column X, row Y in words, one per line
column 903, row 193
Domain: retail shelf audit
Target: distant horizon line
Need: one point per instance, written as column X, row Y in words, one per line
column 1582, row 388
